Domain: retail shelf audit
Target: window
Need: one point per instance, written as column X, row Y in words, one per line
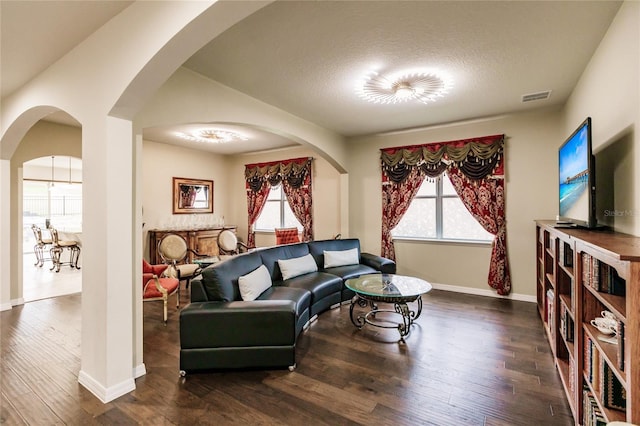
column 276, row 212
column 437, row 213
column 61, row 204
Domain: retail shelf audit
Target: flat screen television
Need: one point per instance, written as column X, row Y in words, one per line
column 576, row 172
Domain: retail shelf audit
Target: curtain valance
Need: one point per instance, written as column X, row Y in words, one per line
column 477, row 158
column 294, row 171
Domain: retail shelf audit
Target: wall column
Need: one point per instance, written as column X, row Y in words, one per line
column 5, row 232
column 107, row 293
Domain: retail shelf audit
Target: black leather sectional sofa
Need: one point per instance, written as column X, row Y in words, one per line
column 218, row 330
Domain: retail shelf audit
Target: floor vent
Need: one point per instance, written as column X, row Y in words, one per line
column 536, row 96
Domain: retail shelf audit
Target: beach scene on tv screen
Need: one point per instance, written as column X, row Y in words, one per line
column 574, row 177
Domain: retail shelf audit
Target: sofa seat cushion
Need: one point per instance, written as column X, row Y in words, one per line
column 320, row 284
column 350, row 271
column 301, row 297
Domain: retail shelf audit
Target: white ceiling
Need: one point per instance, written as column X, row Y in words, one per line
column 306, row 57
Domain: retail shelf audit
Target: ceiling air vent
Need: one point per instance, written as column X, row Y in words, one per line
column 536, row 96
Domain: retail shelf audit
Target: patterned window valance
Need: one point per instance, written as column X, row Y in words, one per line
column 477, row 158
column 293, row 171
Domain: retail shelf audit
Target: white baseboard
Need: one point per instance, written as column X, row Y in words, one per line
column 484, row 292
column 105, row 394
column 17, row 302
column 6, row 306
column 139, row 371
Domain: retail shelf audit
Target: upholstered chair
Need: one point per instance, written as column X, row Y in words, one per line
column 173, row 250
column 228, row 243
column 156, row 287
column 287, row 236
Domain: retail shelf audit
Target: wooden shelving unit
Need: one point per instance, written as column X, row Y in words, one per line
column 581, row 273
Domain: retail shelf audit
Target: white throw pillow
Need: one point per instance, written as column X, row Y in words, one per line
column 297, row 266
column 254, row 283
column 341, row 258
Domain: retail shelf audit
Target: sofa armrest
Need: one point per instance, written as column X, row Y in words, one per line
column 379, row 263
column 238, row 324
column 197, row 292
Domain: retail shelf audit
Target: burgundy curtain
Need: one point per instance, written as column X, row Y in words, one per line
column 476, row 170
column 295, row 177
column 301, row 204
column 256, row 200
column 396, row 198
column 485, row 200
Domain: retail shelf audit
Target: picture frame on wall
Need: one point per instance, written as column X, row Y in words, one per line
column 192, row 195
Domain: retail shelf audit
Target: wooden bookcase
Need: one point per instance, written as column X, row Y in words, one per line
column 581, row 273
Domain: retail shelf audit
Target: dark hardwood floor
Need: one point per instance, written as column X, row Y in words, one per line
column 469, row 360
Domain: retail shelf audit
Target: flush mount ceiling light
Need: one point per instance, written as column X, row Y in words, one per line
column 212, row 136
column 421, row 86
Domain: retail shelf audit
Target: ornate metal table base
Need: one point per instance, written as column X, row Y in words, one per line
column 400, row 307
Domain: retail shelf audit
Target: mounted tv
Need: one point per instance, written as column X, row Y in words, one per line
column 576, row 171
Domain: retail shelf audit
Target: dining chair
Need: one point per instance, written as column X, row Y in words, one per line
column 40, row 245
column 173, row 250
column 57, row 248
column 228, row 243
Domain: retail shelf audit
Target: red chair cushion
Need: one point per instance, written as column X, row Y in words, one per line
column 169, row 284
column 152, row 269
column 287, row 236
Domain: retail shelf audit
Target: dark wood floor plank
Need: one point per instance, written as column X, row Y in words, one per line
column 469, row 360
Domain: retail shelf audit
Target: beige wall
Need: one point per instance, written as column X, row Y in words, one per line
column 160, row 162
column 326, row 193
column 531, row 193
column 609, row 92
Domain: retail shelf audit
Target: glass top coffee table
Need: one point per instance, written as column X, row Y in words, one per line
column 398, row 290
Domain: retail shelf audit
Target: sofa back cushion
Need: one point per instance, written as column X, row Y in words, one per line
column 220, row 281
column 294, row 267
column 317, row 248
column 271, row 255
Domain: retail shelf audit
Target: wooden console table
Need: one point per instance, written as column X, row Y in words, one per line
column 203, row 241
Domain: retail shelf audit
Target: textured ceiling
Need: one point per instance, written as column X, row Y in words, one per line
column 305, row 57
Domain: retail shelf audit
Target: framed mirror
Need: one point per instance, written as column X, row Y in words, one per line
column 192, row 195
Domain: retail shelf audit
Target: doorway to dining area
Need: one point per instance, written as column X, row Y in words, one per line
column 51, row 199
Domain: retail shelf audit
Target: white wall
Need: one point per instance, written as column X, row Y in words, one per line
column 532, row 140
column 609, row 92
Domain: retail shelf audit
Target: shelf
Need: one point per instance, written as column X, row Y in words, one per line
column 567, row 269
column 550, row 279
column 616, row 304
column 563, row 369
column 609, row 414
column 564, row 259
column 608, row 351
column 566, row 299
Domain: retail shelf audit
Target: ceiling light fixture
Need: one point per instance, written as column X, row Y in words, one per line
column 212, row 136
column 421, row 86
